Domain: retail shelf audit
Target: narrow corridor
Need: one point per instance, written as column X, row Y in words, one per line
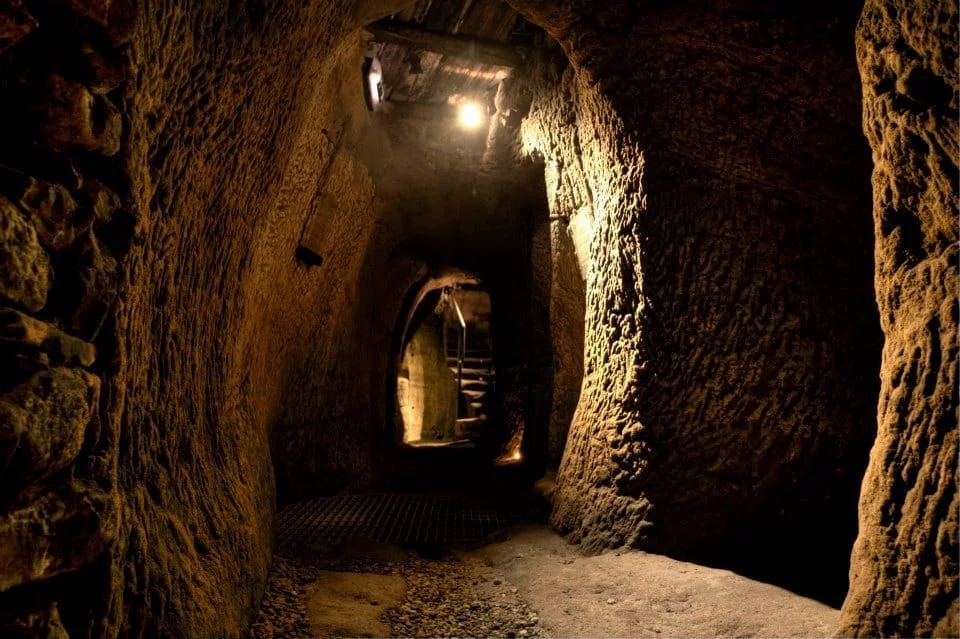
column 492, row 318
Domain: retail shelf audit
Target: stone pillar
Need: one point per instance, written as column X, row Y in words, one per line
column 904, row 568
column 731, row 336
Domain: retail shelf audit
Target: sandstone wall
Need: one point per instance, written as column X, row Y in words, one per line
column 566, row 241
column 430, row 407
column 904, row 567
column 233, row 128
column 714, row 153
column 155, row 206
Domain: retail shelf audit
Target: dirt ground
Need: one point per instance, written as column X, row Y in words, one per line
column 637, row 594
column 527, row 583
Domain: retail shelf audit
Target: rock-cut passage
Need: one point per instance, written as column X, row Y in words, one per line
column 478, row 318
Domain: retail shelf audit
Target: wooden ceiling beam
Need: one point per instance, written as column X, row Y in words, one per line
column 419, row 110
column 466, row 47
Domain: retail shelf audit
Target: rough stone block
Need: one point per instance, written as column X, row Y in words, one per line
column 48, row 533
column 96, row 280
column 53, row 211
column 101, row 200
column 71, row 116
column 22, row 330
column 25, row 272
column 43, row 422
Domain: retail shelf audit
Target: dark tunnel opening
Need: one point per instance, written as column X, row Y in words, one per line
column 446, row 376
column 466, row 437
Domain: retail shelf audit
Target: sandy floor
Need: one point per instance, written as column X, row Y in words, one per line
column 530, row 583
column 636, row 594
column 345, row 604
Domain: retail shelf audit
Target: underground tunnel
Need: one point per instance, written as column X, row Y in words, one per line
column 484, row 318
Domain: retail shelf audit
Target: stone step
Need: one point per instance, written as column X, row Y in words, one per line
column 476, row 373
column 470, row 427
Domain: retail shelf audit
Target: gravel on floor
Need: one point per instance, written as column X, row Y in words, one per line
column 445, row 597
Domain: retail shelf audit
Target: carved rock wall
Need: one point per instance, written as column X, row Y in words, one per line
column 904, row 572
column 714, row 153
column 236, row 117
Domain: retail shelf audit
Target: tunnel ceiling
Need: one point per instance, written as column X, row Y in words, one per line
column 414, row 47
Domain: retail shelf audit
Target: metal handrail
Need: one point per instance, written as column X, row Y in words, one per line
column 461, row 351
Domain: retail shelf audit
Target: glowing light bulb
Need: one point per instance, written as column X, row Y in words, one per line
column 471, row 115
column 517, row 455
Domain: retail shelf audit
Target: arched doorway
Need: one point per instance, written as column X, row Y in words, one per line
column 446, row 378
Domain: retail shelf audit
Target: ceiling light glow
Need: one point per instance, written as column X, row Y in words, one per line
column 471, row 115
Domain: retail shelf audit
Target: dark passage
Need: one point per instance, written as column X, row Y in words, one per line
column 446, row 383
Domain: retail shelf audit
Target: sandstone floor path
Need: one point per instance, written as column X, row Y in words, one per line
column 519, row 580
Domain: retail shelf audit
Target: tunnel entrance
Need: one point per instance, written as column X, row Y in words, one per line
column 446, row 379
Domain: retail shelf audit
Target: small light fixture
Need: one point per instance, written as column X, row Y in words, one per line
column 517, row 455
column 471, row 115
column 372, row 83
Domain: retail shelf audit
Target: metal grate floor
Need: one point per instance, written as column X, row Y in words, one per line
column 397, row 518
